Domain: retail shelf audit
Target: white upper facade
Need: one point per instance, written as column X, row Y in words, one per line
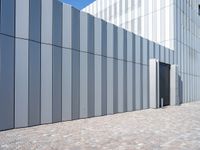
column 155, row 20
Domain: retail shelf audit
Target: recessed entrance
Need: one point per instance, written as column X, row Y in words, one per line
column 164, row 84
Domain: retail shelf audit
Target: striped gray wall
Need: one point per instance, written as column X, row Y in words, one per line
column 59, row 64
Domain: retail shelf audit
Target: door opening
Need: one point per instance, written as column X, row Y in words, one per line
column 164, row 84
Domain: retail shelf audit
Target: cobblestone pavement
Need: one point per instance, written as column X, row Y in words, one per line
column 169, row 128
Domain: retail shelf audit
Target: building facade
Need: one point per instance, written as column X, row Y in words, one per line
column 174, row 24
column 58, row 63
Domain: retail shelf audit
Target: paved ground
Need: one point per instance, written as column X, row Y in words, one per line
column 170, row 128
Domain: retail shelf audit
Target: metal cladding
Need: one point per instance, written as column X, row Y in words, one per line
column 59, row 64
column 174, row 24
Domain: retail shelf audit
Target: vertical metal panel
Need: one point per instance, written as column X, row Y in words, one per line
column 66, row 84
column 110, row 86
column 7, row 69
column 145, row 52
column 120, row 86
column 22, row 19
column 7, row 17
column 104, row 85
column 34, row 77
column 174, row 99
column 75, row 29
column 137, row 49
column 138, row 98
column 84, row 31
column 162, row 54
column 46, row 21
column 98, row 85
column 133, row 71
column 57, row 23
column 157, row 51
column 167, row 60
column 125, row 70
column 83, row 85
column 133, row 47
column 115, row 71
column 91, row 86
column 153, row 83
column 35, row 20
column 104, row 68
column 21, row 83
column 145, row 87
column 67, row 26
column 91, row 65
column 130, row 86
column 151, row 50
column 57, row 84
column 90, row 41
column 129, row 46
column 97, row 36
column 110, row 40
column 46, row 83
column 104, row 38
column 171, row 57
column 75, row 84
column 120, row 43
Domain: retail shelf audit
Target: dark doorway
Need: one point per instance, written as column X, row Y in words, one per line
column 164, row 71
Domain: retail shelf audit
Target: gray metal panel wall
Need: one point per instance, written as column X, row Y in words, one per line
column 75, row 29
column 138, row 85
column 7, row 17
column 21, row 83
column 120, row 57
column 34, row 80
column 145, row 86
column 84, row 31
column 110, row 50
column 75, row 84
column 104, row 69
column 125, row 71
column 98, row 102
column 97, row 36
column 57, row 62
column 34, row 76
column 46, row 21
column 129, row 71
column 83, row 66
column 57, row 84
column 115, row 70
column 57, row 23
column 84, row 85
column 91, row 73
column 7, row 69
column 46, row 83
column 133, row 69
column 35, row 20
column 22, row 19
column 66, row 84
column 75, row 64
column 67, row 26
column 120, row 86
column 98, row 64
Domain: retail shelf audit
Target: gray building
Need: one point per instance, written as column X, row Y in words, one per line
column 58, row 63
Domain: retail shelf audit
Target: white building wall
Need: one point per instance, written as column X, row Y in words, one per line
column 152, row 19
column 187, row 40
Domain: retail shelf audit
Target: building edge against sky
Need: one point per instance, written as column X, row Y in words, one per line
column 63, row 64
column 174, row 24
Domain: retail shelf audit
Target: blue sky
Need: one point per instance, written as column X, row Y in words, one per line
column 78, row 3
